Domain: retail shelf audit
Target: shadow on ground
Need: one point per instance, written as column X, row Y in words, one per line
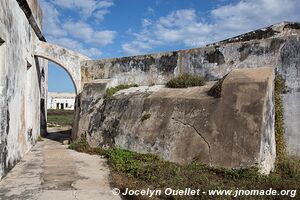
column 59, row 135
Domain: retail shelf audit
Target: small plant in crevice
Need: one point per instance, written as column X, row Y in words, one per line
column 40, row 139
column 146, row 116
column 111, row 91
column 82, row 145
column 186, row 80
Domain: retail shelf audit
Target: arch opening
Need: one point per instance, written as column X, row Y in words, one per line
column 70, row 62
column 66, row 70
column 60, row 102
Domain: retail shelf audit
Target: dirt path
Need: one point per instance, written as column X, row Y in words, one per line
column 51, row 171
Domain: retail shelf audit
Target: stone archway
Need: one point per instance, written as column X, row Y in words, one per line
column 67, row 59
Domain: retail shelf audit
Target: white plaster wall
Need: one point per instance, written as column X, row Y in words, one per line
column 19, row 87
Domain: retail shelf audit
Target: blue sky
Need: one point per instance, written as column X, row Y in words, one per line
column 115, row 28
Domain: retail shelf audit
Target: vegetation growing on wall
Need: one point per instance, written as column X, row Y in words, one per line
column 186, row 80
column 111, row 91
column 287, row 166
column 279, row 123
column 141, row 171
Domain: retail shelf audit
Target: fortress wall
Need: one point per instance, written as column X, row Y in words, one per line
column 276, row 46
column 185, row 124
column 20, row 85
column 212, row 62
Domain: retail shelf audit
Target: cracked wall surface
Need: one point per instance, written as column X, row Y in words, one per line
column 21, row 84
column 277, row 46
column 236, row 130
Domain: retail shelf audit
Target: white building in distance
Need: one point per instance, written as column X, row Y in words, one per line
column 64, row 101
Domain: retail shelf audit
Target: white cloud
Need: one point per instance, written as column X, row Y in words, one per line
column 76, row 35
column 187, row 27
column 86, row 8
column 150, row 11
column 135, row 47
column 51, row 20
column 99, row 14
column 84, row 31
column 146, row 22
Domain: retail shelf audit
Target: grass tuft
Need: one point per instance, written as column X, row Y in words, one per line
column 186, row 80
column 82, row 145
column 40, row 139
column 111, row 91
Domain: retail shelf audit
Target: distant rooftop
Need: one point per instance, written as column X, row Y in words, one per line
column 61, row 94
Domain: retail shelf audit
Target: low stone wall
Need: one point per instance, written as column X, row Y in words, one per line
column 182, row 125
column 277, row 46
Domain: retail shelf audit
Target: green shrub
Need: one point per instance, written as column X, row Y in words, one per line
column 186, row 80
column 82, row 145
column 289, row 167
column 111, row 91
column 123, row 161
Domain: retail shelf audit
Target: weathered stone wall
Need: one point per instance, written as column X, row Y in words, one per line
column 20, row 85
column 236, row 130
column 276, row 46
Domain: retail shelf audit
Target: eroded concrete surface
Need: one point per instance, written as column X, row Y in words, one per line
column 51, row 171
column 185, row 124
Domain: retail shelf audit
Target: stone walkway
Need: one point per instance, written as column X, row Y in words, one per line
column 51, row 171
